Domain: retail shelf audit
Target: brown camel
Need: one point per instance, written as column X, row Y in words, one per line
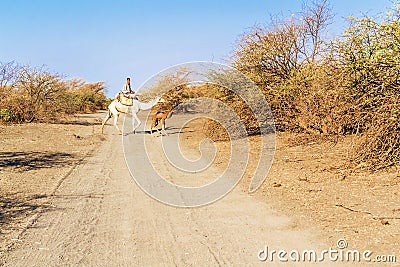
column 159, row 119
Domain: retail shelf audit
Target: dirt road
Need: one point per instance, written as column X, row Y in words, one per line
column 100, row 217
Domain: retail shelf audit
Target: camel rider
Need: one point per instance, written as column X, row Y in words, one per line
column 127, row 91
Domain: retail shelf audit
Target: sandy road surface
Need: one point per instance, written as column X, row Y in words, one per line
column 100, row 217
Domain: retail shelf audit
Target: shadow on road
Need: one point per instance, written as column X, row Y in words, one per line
column 170, row 131
column 77, row 122
column 32, row 160
column 15, row 209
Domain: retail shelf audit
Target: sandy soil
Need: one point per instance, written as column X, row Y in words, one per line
column 34, row 160
column 68, row 199
column 314, row 185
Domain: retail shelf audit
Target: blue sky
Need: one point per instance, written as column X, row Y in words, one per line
column 111, row 40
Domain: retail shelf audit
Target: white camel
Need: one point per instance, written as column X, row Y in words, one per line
column 116, row 108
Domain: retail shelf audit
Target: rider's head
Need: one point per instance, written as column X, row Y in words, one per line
column 128, row 80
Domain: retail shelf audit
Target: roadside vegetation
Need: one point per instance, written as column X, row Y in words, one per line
column 320, row 88
column 330, row 88
column 30, row 94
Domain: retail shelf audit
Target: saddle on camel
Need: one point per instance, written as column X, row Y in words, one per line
column 125, row 98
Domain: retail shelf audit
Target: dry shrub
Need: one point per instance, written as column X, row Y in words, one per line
column 173, row 88
column 350, row 86
column 379, row 146
column 85, row 97
column 178, row 96
column 370, row 53
column 216, row 130
column 322, row 105
column 34, row 94
column 285, row 59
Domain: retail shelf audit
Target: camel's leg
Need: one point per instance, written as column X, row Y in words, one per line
column 105, row 121
column 163, row 127
column 115, row 123
column 159, row 131
column 135, row 118
column 158, row 124
column 153, row 125
column 157, row 127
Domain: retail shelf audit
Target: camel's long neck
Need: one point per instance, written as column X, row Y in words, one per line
column 146, row 106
